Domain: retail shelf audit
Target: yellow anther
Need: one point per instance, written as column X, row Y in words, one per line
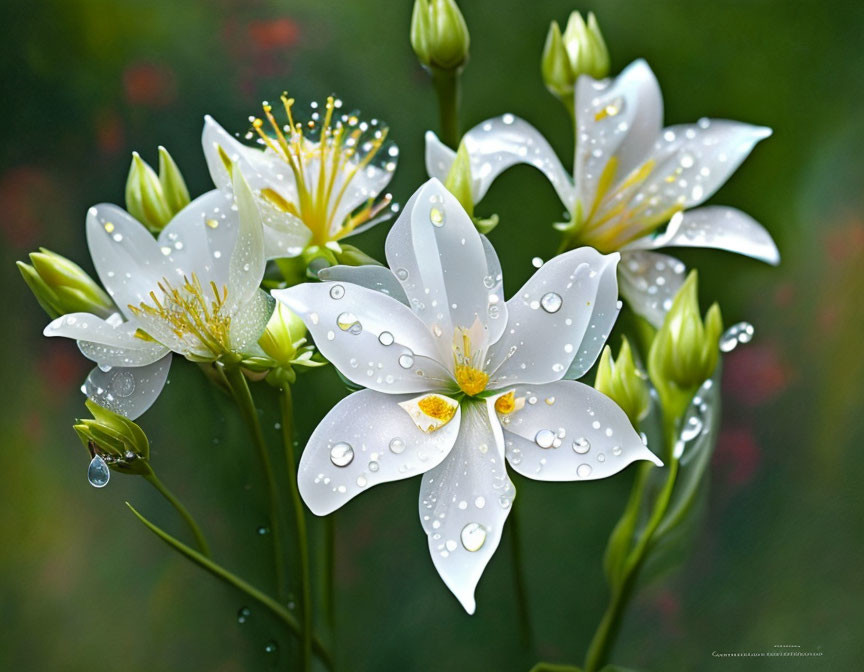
column 506, row 403
column 430, row 412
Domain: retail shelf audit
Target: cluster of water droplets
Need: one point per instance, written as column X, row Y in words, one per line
column 739, row 333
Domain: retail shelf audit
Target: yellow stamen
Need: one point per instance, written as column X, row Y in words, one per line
column 431, row 411
column 507, row 403
column 472, row 380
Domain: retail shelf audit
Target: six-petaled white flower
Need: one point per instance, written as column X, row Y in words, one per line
column 316, row 182
column 194, row 291
column 630, row 177
column 458, row 380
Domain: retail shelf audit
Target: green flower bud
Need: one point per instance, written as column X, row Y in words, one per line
column 173, row 185
column 349, row 255
column 555, row 65
column 116, row 439
column 61, row 286
column 585, row 47
column 439, row 34
column 459, row 180
column 622, row 382
column 685, row 349
column 283, row 336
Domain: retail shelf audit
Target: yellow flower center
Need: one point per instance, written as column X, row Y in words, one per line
column 472, row 380
column 324, row 169
column 507, row 403
column 431, row 411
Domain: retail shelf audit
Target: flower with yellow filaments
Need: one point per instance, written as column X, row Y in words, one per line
column 459, row 381
column 318, row 181
column 194, row 291
column 631, row 177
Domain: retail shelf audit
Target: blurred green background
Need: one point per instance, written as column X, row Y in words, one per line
column 778, row 561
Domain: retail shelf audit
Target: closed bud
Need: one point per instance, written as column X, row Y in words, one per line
column 350, row 255
column 173, row 185
column 283, row 336
column 685, row 350
column 585, row 47
column 61, row 286
column 145, row 198
column 118, row 441
column 555, row 65
column 624, row 383
column 439, row 34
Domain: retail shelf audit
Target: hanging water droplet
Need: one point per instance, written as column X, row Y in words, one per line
column 341, row 454
column 349, row 322
column 98, row 472
column 244, row 614
column 337, row 292
column 406, row 361
column 436, row 216
column 581, row 445
column 397, row 445
column 737, row 333
column 551, row 302
column 473, row 537
column 545, row 438
column 385, row 338
column 583, row 470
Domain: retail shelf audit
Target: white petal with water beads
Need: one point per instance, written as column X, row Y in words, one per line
column 128, row 391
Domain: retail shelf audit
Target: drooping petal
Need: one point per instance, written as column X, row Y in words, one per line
column 494, row 146
column 649, row 282
column 718, row 227
column 439, row 259
column 371, row 338
column 551, row 317
column 247, row 263
column 567, row 431
column 128, row 391
column 367, row 439
column 379, row 278
column 617, row 120
column 465, row 501
column 108, row 343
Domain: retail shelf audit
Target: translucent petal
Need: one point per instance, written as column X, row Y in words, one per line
column 567, row 431
column 250, row 320
column 550, row 318
column 247, row 263
column 618, row 118
column 606, row 307
column 439, row 259
column 372, row 339
column 649, row 281
column 379, row 278
column 494, row 282
column 364, row 440
column 106, row 343
column 465, row 501
column 494, row 146
column 718, row 227
column 364, row 185
column 285, row 235
column 128, row 391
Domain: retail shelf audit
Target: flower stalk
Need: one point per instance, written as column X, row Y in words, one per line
column 193, row 526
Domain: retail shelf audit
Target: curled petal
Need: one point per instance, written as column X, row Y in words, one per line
column 128, row 391
column 108, row 343
column 567, row 431
column 715, row 226
column 568, row 300
column 649, row 282
column 364, row 440
column 379, row 278
column 374, row 340
column 465, row 501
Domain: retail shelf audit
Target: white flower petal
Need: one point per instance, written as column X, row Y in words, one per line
column 464, row 502
column 106, row 342
column 128, row 391
column 649, row 282
column 618, row 118
column 550, row 318
column 379, row 278
column 606, row 307
column 247, row 263
column 285, row 235
column 374, row 340
column 439, row 259
column 567, row 431
column 364, row 440
column 494, row 146
column 717, row 227
column 250, row 320
column 365, row 184
column 494, row 282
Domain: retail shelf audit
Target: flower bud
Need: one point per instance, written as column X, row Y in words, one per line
column 118, row 441
column 459, row 180
column 439, row 34
column 622, row 382
column 283, row 335
column 685, row 349
column 146, row 199
column 61, row 286
column 173, row 185
column 350, row 255
column 585, row 47
column 555, row 65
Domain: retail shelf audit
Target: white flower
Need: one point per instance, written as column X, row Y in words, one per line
column 631, row 176
column 194, row 291
column 457, row 378
column 316, row 183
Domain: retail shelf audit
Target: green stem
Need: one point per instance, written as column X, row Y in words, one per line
column 233, row 580
column 243, row 397
column 153, row 480
column 522, row 607
column 446, row 84
column 299, row 523
column 329, row 570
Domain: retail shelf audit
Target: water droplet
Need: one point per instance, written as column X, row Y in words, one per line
column 480, row 502
column 537, row 262
column 545, row 438
column 385, row 338
column 551, row 302
column 583, row 470
column 244, row 614
column 349, row 322
column 488, row 282
column 263, row 530
column 436, row 216
column 737, row 333
column 374, row 466
column 397, row 445
column 473, row 537
column 271, row 647
column 337, row 292
column 361, row 481
column 581, row 445
column 402, row 273
column 616, row 450
column 691, row 429
column 341, row 454
column 98, row 472
column 406, row 361
column 123, row 384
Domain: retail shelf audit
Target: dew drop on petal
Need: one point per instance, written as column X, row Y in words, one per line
column 436, row 216
column 545, row 438
column 349, row 322
column 581, row 445
column 473, row 537
column 406, row 361
column 337, row 292
column 341, row 454
column 583, row 470
column 385, row 338
column 551, row 302
column 98, row 472
column 397, row 445
column 737, row 333
column 402, row 274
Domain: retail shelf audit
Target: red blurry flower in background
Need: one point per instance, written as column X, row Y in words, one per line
column 149, row 85
column 28, row 196
column 737, row 456
column 755, row 374
column 274, row 34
